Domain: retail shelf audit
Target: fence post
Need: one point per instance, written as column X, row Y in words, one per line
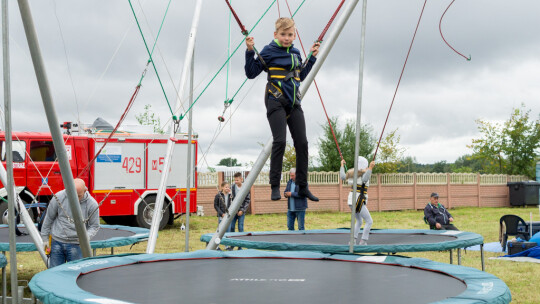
column 252, row 204
column 415, row 200
column 340, row 195
column 220, row 178
column 379, row 198
column 478, row 179
column 449, row 197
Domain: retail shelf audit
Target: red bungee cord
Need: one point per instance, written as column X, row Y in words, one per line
column 399, row 81
column 440, row 31
column 314, row 81
column 133, row 97
column 242, row 27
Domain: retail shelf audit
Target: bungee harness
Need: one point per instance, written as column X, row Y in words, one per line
column 361, row 198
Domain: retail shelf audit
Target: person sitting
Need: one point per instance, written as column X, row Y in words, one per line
column 437, row 216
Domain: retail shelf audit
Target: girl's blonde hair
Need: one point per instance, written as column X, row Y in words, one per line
column 284, row 23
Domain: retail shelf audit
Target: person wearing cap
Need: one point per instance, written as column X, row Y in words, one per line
column 437, row 216
column 361, row 210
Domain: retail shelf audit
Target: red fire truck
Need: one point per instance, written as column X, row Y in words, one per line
column 124, row 177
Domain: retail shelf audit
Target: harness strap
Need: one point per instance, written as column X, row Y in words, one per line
column 283, row 74
column 361, row 199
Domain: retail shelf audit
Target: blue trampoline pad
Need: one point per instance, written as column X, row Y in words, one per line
column 251, row 276
column 107, row 236
column 337, row 240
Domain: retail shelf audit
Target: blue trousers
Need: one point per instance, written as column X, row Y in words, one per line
column 298, row 215
column 64, row 252
column 240, row 220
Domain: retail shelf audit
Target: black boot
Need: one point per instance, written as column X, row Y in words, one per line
column 304, row 191
column 276, row 196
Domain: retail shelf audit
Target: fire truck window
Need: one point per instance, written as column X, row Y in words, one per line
column 42, row 151
column 19, row 148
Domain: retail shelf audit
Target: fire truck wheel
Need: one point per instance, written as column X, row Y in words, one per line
column 146, row 212
column 4, row 213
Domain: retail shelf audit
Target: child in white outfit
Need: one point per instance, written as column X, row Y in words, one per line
column 362, row 212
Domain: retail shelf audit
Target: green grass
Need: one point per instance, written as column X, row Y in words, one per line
column 521, row 278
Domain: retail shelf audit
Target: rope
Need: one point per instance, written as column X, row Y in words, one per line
column 321, row 36
column 317, row 87
column 150, row 54
column 399, row 81
column 182, row 116
column 67, row 62
column 133, row 97
column 440, row 31
column 137, row 88
column 228, row 102
column 278, row 11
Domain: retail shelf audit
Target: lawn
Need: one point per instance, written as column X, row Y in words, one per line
column 521, row 278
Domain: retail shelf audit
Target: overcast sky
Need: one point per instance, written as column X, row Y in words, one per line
column 94, row 56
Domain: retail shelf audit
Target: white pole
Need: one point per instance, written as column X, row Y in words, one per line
column 358, row 124
column 190, row 173
column 156, row 219
column 259, row 163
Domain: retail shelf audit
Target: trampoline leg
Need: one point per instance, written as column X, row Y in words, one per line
column 94, row 252
column 4, row 286
column 112, row 250
column 451, row 259
column 482, row 257
column 459, row 256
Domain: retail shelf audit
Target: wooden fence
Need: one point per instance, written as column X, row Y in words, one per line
column 397, row 191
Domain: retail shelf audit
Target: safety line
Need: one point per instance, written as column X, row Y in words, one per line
column 181, row 117
column 440, row 31
column 317, row 87
column 399, row 81
column 151, row 60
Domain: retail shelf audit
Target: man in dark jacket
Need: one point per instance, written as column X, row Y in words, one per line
column 437, row 216
column 296, row 204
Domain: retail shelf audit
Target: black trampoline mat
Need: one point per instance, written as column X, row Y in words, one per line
column 103, row 234
column 343, row 238
column 269, row 280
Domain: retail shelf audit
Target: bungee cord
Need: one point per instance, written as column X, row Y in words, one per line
column 314, row 81
column 442, row 36
column 399, row 81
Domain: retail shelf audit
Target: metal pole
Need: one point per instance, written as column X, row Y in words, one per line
column 451, row 257
column 9, row 154
column 190, row 174
column 358, row 124
column 482, row 256
column 56, row 133
column 156, row 219
column 459, row 256
column 259, row 163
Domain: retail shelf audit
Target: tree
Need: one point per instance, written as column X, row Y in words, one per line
column 390, row 154
column 328, row 154
column 149, row 118
column 229, row 162
column 511, row 147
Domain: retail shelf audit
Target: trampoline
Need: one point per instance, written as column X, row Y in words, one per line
column 337, row 240
column 252, row 276
column 108, row 236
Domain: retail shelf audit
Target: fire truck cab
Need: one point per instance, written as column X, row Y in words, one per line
column 123, row 178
